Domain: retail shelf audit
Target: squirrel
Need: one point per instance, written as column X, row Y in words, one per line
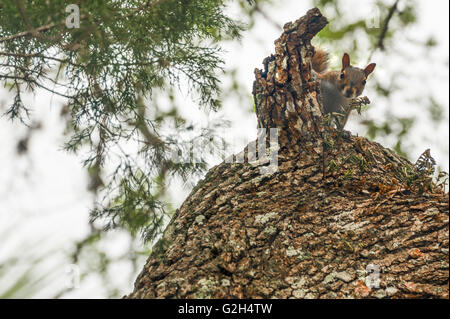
column 339, row 88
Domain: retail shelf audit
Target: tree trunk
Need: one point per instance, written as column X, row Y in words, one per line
column 338, row 218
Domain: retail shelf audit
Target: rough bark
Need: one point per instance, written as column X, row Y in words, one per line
column 310, row 229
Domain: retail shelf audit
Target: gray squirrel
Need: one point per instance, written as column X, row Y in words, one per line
column 339, row 88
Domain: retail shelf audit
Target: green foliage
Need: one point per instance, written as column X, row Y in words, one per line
column 135, row 208
column 112, row 73
column 121, row 75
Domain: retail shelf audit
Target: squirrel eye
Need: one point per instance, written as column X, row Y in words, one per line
column 342, row 75
column 364, row 82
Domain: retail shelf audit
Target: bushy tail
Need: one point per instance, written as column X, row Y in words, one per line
column 319, row 60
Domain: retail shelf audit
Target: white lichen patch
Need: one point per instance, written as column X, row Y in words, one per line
column 299, row 283
column 290, row 106
column 296, row 282
column 284, row 63
column 199, row 219
column 261, row 194
column 345, row 221
column 291, row 251
column 344, row 276
column 226, row 283
column 205, row 288
column 262, row 219
column 299, row 293
column 431, row 211
column 380, row 294
column 221, row 200
column 329, row 278
column 310, row 296
column 298, row 125
column 270, row 230
column 361, row 274
column 271, row 66
column 345, row 215
column 390, row 291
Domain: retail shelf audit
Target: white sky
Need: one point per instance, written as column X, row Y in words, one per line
column 43, row 198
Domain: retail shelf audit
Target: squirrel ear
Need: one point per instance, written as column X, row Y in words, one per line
column 345, row 61
column 369, row 68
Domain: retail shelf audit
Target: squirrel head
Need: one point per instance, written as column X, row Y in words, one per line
column 352, row 80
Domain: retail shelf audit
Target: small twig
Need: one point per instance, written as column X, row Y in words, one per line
column 38, row 55
column 33, row 81
column 141, row 125
column 25, row 33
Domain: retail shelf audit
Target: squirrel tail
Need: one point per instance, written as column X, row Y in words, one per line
column 319, row 60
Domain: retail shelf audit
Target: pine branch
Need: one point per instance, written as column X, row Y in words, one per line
column 63, row 22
